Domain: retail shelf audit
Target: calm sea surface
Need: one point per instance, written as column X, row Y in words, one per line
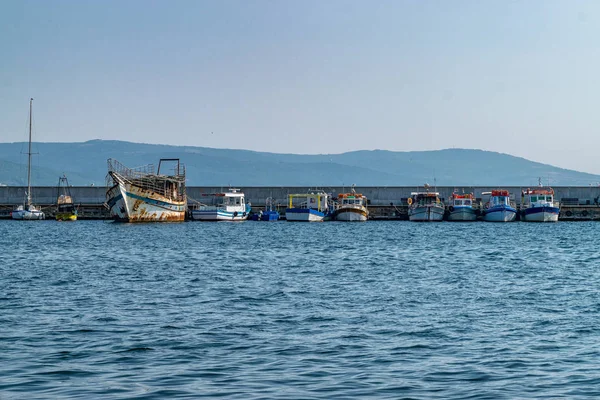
column 257, row 310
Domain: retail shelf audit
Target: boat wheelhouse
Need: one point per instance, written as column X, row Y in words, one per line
column 425, row 207
column 499, row 207
column 224, row 206
column 351, row 207
column 143, row 195
column 537, row 205
column 307, row 207
column 460, row 207
column 65, row 210
column 270, row 213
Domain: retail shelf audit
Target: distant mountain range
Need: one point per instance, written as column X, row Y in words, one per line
column 85, row 164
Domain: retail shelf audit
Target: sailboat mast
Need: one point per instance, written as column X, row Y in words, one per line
column 29, row 155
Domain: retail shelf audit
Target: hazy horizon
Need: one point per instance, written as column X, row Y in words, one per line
column 315, row 77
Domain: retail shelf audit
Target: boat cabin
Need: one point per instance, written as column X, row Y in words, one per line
column 499, row 198
column 346, row 199
column 316, row 201
column 462, row 200
column 538, row 197
column 231, row 200
column 65, row 203
column 424, row 198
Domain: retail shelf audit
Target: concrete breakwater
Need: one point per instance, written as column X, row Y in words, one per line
column 577, row 202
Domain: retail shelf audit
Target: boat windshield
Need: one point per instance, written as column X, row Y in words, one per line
column 462, row 202
column 427, row 200
column 500, row 200
column 352, row 201
column 541, row 198
column 232, row 201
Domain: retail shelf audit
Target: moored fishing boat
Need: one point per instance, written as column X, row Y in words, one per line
column 537, row 205
column 425, row 206
column 270, row 212
column 28, row 211
column 66, row 210
column 460, row 207
column 307, row 207
column 225, row 206
column 499, row 208
column 351, row 207
column 142, row 195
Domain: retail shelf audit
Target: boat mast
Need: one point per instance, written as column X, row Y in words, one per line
column 29, row 156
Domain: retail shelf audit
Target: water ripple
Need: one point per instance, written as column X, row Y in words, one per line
column 276, row 311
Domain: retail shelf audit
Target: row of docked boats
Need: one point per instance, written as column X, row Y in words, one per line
column 145, row 195
column 142, row 195
column 320, row 206
column 537, row 205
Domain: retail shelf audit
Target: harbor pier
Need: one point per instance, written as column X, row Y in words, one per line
column 578, row 203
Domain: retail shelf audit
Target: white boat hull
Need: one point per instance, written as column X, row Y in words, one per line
column 540, row 214
column 218, row 215
column 130, row 203
column 26, row 215
column 462, row 214
column 304, row 215
column 426, row 214
column 351, row 214
column 540, row 217
column 500, row 216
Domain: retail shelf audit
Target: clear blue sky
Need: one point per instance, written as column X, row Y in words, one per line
column 519, row 77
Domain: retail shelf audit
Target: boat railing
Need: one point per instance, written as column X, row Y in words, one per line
column 131, row 173
column 172, row 187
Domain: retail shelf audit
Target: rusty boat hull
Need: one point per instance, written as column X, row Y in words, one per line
column 141, row 195
column 128, row 203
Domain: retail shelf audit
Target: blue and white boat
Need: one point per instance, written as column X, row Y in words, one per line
column 461, row 207
column 270, row 212
column 537, row 205
column 307, row 207
column 499, row 208
column 227, row 206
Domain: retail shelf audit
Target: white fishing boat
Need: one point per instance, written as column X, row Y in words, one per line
column 307, row 207
column 537, row 205
column 28, row 211
column 143, row 195
column 499, row 208
column 460, row 207
column 351, row 207
column 425, row 206
column 226, row 206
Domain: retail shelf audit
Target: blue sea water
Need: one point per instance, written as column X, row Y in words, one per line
column 257, row 310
